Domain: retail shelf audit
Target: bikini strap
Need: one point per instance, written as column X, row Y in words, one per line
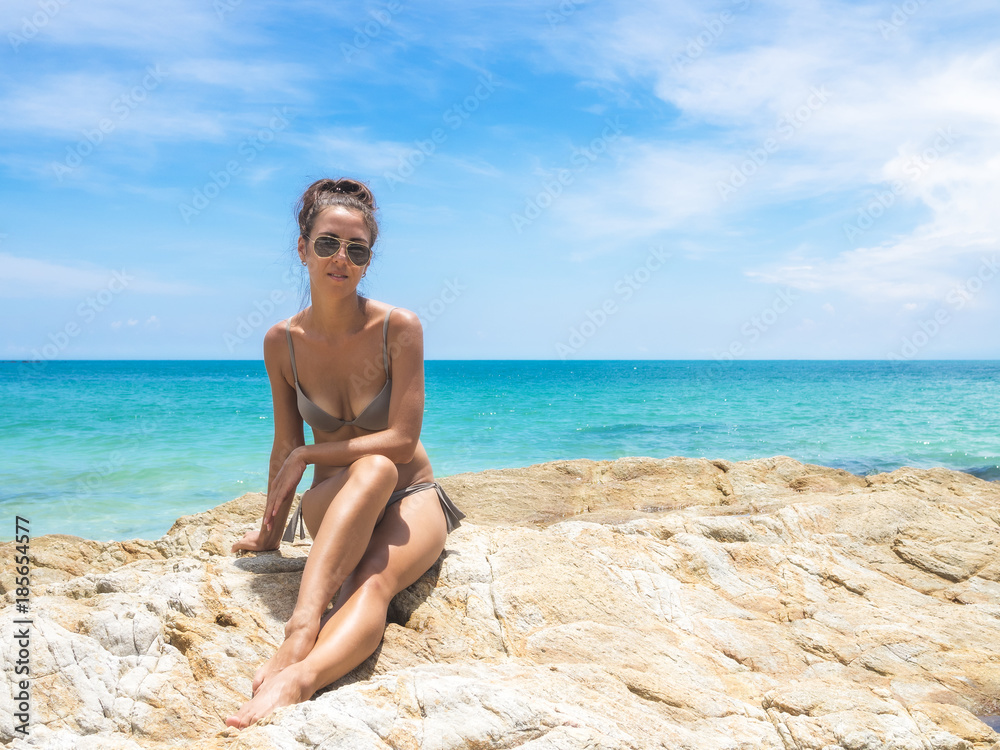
column 291, row 351
column 385, row 349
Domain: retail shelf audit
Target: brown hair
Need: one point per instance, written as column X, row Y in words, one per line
column 343, row 192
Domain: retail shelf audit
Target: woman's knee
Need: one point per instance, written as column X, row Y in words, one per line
column 375, row 468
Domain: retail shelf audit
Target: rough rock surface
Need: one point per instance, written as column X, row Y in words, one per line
column 639, row 603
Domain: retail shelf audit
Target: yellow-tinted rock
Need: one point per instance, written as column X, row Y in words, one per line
column 608, row 604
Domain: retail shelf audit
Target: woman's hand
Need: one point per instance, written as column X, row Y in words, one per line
column 254, row 541
column 283, row 486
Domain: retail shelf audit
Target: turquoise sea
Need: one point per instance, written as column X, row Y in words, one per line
column 120, row 449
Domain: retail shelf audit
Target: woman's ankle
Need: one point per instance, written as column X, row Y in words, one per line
column 299, row 625
column 305, row 679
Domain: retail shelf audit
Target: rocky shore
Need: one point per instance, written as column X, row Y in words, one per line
column 637, row 603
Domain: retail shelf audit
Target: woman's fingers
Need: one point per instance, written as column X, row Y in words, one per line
column 247, row 542
column 272, row 509
column 280, row 493
column 283, row 487
column 273, row 504
column 273, row 501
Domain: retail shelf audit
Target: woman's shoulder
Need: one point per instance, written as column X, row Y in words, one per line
column 400, row 318
column 402, row 327
column 278, row 329
column 275, row 340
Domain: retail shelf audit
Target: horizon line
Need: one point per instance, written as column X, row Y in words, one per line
column 530, row 359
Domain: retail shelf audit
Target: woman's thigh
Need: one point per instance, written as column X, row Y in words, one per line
column 406, row 543
column 316, row 500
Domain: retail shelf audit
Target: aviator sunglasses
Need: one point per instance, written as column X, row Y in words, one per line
column 357, row 252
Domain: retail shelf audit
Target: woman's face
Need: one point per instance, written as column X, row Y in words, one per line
column 336, row 272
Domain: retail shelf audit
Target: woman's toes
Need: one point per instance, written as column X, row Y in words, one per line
column 235, row 721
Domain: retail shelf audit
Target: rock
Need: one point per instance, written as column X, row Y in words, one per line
column 636, row 603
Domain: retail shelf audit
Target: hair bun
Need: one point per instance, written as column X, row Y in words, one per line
column 355, row 189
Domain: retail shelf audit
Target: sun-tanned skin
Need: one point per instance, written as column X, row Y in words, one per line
column 366, row 551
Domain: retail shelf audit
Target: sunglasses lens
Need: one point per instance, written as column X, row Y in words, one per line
column 358, row 253
column 326, row 246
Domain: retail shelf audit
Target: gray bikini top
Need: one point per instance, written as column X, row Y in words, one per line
column 375, row 416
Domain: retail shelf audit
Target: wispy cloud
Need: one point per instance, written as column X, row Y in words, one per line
column 257, row 78
column 38, row 279
column 925, row 263
column 739, row 79
column 354, row 149
column 70, row 105
column 115, row 24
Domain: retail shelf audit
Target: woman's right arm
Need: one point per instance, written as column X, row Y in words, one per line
column 288, row 433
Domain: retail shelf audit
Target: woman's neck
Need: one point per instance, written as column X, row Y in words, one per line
column 336, row 317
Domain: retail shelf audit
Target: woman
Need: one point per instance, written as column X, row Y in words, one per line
column 377, row 518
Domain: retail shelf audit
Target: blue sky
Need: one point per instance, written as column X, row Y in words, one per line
column 585, row 180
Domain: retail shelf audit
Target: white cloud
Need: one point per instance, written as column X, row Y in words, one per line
column 638, row 190
column 743, row 80
column 203, row 87
column 38, row 279
column 156, row 27
column 353, row 150
column 255, row 78
column 70, row 105
column 962, row 194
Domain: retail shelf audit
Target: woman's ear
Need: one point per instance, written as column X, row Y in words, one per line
column 302, row 249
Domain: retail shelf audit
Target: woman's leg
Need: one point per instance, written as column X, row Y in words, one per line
column 405, row 545
column 340, row 514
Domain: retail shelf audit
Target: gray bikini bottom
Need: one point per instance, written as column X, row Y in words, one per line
column 451, row 513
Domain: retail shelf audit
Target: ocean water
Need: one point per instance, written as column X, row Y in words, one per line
column 120, row 449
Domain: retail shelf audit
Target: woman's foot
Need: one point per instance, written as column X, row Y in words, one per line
column 290, row 685
column 298, row 643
